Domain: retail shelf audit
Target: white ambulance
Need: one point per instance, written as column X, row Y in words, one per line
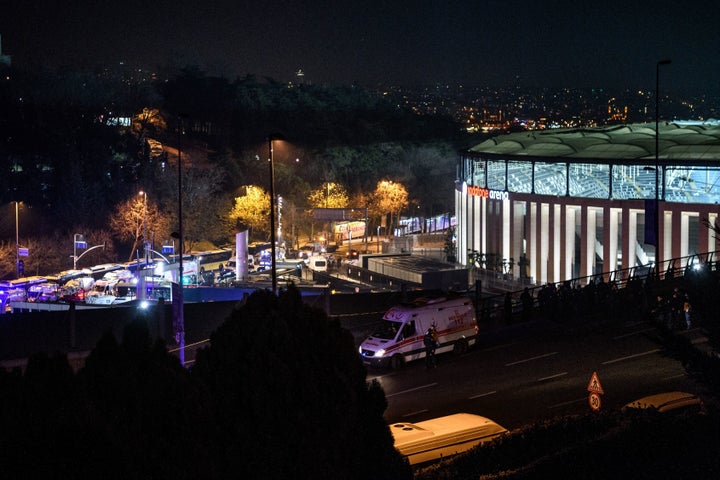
column 399, row 337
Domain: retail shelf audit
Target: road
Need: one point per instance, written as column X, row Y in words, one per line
column 518, row 381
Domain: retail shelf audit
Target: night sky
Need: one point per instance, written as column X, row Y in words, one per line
column 553, row 43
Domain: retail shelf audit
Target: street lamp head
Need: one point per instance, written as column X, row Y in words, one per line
column 664, row 62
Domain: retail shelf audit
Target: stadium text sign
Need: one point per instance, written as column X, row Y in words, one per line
column 487, row 193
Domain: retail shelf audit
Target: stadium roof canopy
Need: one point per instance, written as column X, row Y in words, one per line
column 615, row 162
column 678, row 140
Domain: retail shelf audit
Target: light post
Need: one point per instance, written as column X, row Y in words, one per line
column 78, row 242
column 378, row 237
column 145, row 238
column 271, row 138
column 17, row 240
column 657, row 162
column 179, row 301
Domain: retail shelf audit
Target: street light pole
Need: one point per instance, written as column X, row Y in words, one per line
column 17, row 241
column 657, row 162
column 78, row 237
column 272, row 214
column 145, row 238
column 145, row 249
column 179, row 321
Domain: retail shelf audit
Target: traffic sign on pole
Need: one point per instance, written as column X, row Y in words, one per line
column 594, row 401
column 594, row 385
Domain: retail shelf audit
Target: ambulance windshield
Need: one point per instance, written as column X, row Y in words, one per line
column 387, row 330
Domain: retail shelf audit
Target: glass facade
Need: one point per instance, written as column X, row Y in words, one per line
column 592, row 179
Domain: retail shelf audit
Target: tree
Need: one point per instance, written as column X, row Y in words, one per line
column 428, row 172
column 389, row 198
column 149, row 121
column 251, row 211
column 204, row 204
column 265, row 380
column 7, row 260
column 328, row 195
column 133, row 217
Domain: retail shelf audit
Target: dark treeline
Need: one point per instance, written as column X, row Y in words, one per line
column 62, row 153
column 280, row 393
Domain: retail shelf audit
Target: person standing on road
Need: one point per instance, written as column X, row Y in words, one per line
column 431, row 343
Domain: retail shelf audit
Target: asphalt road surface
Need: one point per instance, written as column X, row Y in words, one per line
column 536, row 375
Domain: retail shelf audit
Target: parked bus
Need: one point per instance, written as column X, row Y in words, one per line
column 211, row 260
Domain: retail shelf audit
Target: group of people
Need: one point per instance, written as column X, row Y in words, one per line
column 675, row 312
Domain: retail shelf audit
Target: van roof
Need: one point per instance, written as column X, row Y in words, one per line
column 666, row 401
column 422, row 438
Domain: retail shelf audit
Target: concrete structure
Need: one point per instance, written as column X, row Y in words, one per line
column 554, row 205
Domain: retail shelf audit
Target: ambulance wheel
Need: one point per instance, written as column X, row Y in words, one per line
column 397, row 362
column 461, row 347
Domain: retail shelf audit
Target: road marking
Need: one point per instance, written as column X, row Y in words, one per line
column 633, row 333
column 630, row 357
column 531, row 359
column 482, row 395
column 412, row 390
column 557, row 375
column 564, row 404
column 411, row 414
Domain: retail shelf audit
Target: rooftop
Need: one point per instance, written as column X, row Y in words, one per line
column 678, row 140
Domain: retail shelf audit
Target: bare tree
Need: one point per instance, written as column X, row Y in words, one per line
column 136, row 216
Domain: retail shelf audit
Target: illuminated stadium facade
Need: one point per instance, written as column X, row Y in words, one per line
column 563, row 204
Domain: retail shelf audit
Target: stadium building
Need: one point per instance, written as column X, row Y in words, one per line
column 563, row 204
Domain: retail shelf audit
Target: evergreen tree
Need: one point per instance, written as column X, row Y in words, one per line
column 293, row 396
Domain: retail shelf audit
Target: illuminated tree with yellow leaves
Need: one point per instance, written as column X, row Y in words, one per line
column 389, row 198
column 328, row 195
column 251, row 211
column 150, row 120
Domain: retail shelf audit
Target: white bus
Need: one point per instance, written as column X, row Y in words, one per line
column 211, row 260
